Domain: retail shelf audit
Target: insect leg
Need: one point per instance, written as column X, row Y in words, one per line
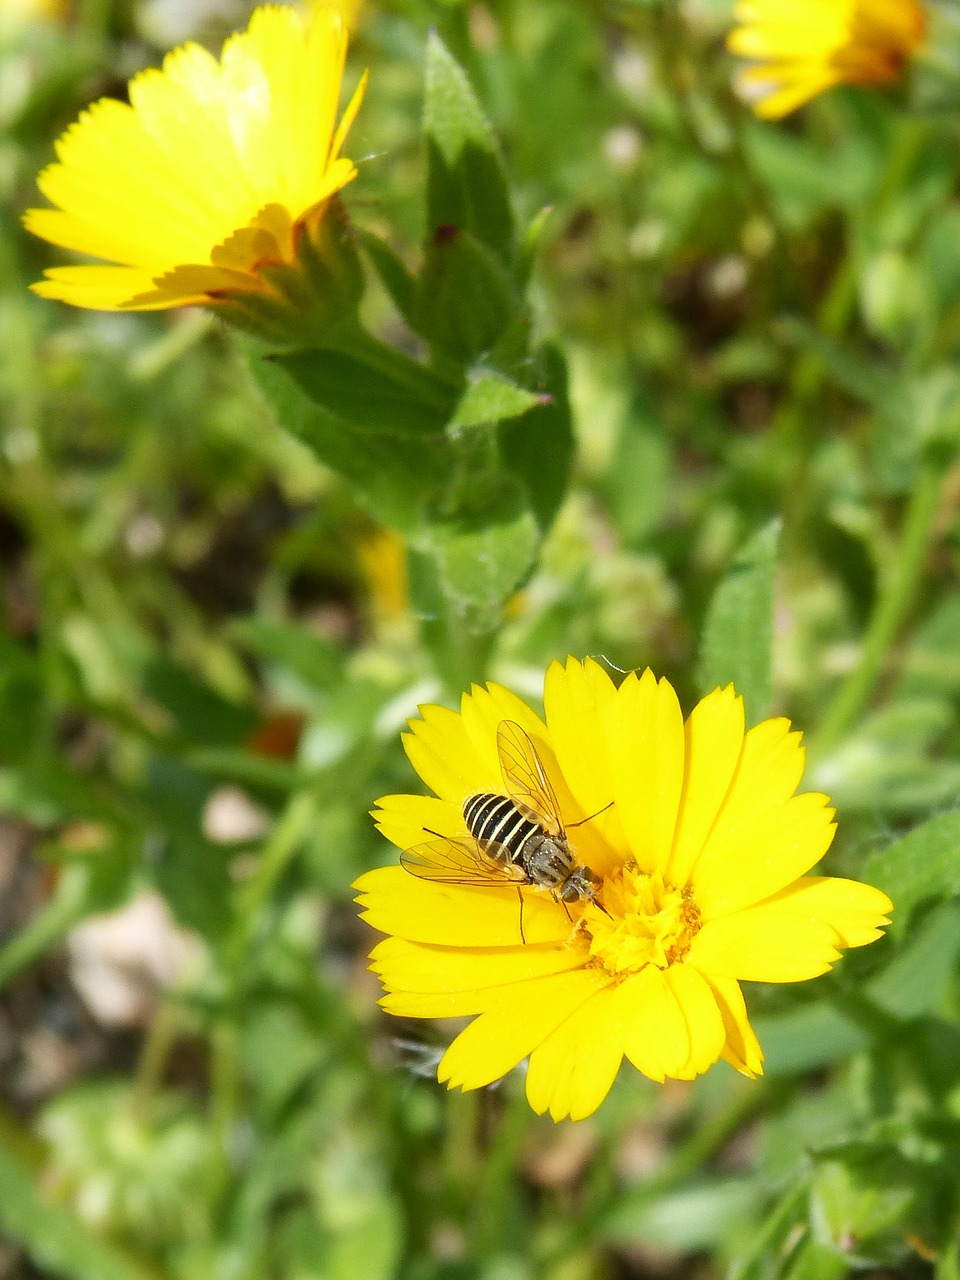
column 523, row 938
column 591, row 816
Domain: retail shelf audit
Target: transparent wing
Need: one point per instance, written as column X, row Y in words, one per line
column 458, row 862
column 526, row 781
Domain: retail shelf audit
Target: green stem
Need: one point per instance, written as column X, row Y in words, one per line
column 225, row 1096
column 894, row 602
column 287, row 836
column 154, row 1055
column 497, row 1183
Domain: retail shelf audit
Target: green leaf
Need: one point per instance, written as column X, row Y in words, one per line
column 693, row 1218
column 537, row 446
column 919, row 978
column 192, row 873
column 391, row 269
column 806, row 1038
column 466, row 182
column 483, row 561
column 737, row 642
column 55, row 1240
column 490, row 398
column 638, row 481
column 376, row 389
column 317, row 661
column 464, row 299
column 394, row 475
column 200, row 714
column 922, row 866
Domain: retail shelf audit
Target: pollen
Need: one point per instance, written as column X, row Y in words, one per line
column 644, row 920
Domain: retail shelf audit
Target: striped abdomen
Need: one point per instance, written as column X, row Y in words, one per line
column 499, row 827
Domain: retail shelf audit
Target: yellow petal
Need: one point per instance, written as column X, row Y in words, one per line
column 393, row 901
column 99, row 288
column 496, row 1041
column 646, row 737
column 577, row 699
column 741, row 1048
column 484, row 710
column 572, row 1070
column 410, row 820
column 434, row 1004
column 700, row 1012
column 856, row 912
column 747, row 862
column 803, row 47
column 764, row 945
column 713, row 742
column 411, row 966
column 774, row 92
column 443, row 754
column 656, row 1037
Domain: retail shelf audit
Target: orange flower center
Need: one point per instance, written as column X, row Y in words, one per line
column 645, row 921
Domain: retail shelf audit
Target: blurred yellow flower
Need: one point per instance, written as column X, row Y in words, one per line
column 383, row 559
column 693, row 850
column 214, row 171
column 23, row 12
column 349, row 9
column 803, row 47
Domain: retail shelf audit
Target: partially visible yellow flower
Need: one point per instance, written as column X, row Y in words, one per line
column 701, row 848
column 214, row 171
column 803, row 47
column 383, row 559
column 23, row 12
column 349, row 9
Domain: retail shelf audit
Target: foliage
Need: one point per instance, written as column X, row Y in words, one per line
column 628, row 373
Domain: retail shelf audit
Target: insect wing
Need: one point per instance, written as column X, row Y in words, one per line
column 451, row 861
column 526, row 779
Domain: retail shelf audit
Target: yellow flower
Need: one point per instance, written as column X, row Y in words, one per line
column 383, row 559
column 803, row 47
column 698, row 847
column 212, row 173
column 24, row 12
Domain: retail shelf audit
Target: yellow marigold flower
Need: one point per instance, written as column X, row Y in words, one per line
column 698, row 847
column 803, row 47
column 212, row 173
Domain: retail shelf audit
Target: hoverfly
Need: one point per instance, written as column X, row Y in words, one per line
column 518, row 837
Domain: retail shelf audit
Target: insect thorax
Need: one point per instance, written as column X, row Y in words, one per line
column 506, row 833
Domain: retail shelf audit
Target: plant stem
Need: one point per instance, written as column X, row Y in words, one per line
column 895, row 599
column 277, row 851
column 160, row 1039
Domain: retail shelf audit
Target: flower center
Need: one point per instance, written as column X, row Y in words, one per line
column 645, row 921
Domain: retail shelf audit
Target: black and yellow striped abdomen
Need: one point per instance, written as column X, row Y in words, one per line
column 499, row 827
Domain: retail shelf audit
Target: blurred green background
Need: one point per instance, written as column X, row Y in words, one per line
column 208, row 653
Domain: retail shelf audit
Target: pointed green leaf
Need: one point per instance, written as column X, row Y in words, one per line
column 466, row 183
column 737, row 641
column 396, row 279
column 491, row 398
column 537, row 446
column 394, row 475
column 484, row 556
column 389, row 393
column 464, row 299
